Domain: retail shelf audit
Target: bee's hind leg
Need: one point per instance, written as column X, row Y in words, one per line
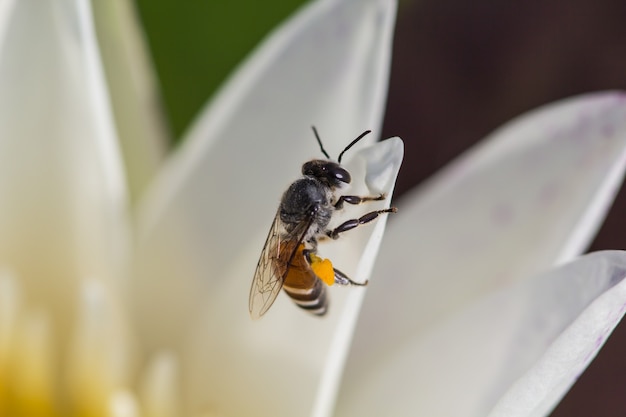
column 342, row 279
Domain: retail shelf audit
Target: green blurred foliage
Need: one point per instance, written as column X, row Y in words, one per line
column 195, row 44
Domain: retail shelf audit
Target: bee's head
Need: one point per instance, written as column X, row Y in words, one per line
column 328, row 172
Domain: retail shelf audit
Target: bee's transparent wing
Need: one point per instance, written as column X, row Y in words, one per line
column 267, row 280
column 278, row 252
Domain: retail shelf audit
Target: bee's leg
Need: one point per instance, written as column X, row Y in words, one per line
column 355, row 199
column 342, row 279
column 351, row 224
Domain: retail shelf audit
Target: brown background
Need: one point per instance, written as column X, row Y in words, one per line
column 462, row 68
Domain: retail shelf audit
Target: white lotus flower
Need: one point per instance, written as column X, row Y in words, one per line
column 125, row 285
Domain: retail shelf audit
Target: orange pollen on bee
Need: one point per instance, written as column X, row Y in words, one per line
column 323, row 268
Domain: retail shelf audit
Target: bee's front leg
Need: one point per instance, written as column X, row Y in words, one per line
column 355, row 199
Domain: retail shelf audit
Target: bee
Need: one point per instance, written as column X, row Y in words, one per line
column 289, row 257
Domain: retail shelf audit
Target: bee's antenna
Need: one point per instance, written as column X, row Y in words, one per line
column 361, row 136
column 320, row 142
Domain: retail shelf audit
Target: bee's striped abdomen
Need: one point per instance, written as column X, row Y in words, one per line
column 313, row 299
column 303, row 286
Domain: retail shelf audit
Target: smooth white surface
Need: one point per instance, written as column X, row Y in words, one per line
column 530, row 196
column 62, row 186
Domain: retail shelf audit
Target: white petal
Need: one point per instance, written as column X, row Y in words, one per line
column 327, row 66
column 551, row 372
column 61, row 182
column 132, row 85
column 531, row 196
column 518, row 349
column 229, row 352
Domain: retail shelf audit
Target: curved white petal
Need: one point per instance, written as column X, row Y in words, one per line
column 202, row 228
column 531, row 195
column 544, row 375
column 61, row 182
column 229, row 352
column 136, row 105
column 515, row 352
column 327, row 66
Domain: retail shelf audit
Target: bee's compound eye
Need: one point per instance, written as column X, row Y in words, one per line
column 340, row 174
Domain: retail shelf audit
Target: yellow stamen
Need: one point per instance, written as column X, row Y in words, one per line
column 123, row 404
column 159, row 388
column 32, row 387
column 9, row 308
column 97, row 365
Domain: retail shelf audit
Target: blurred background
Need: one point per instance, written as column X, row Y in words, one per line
column 460, row 69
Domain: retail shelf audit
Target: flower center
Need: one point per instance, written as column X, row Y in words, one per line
column 86, row 376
